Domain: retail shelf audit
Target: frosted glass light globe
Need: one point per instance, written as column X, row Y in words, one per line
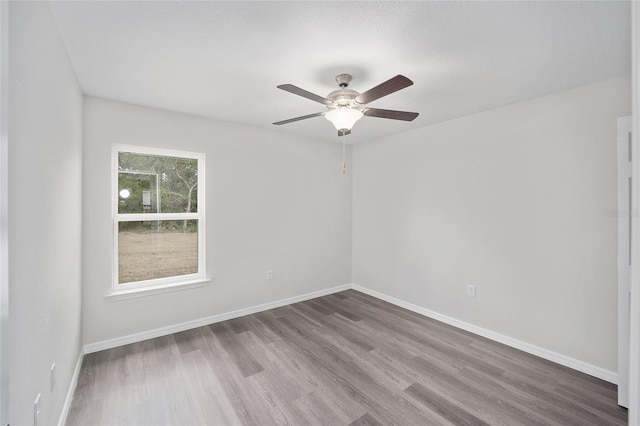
column 343, row 118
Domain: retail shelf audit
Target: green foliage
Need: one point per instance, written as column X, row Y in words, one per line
column 156, row 226
column 136, row 185
column 174, row 179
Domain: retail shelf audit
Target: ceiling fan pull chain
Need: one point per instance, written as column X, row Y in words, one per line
column 344, row 158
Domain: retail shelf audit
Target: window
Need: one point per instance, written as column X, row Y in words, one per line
column 158, row 218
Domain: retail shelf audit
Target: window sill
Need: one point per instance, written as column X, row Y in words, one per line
column 115, row 295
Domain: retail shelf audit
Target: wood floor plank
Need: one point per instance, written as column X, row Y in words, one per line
column 334, row 305
column 243, row 359
column 453, row 413
column 261, row 331
column 334, row 324
column 492, row 407
column 365, row 420
column 318, row 410
column 347, row 374
column 309, row 374
column 206, row 392
column 342, row 359
column 250, row 407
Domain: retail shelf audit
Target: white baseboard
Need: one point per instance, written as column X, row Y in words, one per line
column 584, row 367
column 592, row 370
column 72, row 389
column 175, row 328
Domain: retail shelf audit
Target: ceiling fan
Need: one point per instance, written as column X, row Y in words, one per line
column 345, row 106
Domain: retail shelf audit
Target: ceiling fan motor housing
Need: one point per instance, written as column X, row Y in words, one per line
column 342, row 98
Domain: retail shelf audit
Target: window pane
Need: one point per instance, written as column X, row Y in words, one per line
column 156, row 184
column 157, row 249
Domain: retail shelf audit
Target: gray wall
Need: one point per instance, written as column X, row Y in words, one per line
column 512, row 200
column 45, row 214
column 274, row 202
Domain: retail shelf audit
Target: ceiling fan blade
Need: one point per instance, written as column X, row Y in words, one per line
column 304, row 117
column 389, row 113
column 388, row 87
column 301, row 92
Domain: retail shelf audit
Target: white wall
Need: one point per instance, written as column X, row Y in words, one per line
column 512, row 200
column 45, row 189
column 274, row 202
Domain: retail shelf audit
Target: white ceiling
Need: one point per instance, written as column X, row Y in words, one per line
column 223, row 60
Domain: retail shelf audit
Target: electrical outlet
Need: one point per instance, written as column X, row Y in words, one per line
column 471, row 290
column 36, row 410
column 269, row 275
column 52, row 377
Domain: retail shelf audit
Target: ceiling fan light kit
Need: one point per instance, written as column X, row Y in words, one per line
column 345, row 105
column 343, row 118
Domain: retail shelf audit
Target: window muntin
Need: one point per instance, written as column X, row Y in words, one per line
column 158, row 217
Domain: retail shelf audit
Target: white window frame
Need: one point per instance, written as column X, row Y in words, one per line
column 157, row 285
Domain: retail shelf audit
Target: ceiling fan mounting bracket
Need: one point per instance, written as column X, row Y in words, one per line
column 343, row 80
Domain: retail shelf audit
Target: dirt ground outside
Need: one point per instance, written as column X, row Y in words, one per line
column 149, row 255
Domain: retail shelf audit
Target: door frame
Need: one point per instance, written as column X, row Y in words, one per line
column 634, row 324
column 4, row 228
column 625, row 216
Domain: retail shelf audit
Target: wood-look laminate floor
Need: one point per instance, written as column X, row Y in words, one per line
column 341, row 359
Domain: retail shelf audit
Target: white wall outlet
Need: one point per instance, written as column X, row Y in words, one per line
column 52, row 377
column 269, row 275
column 36, row 410
column 471, row 290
